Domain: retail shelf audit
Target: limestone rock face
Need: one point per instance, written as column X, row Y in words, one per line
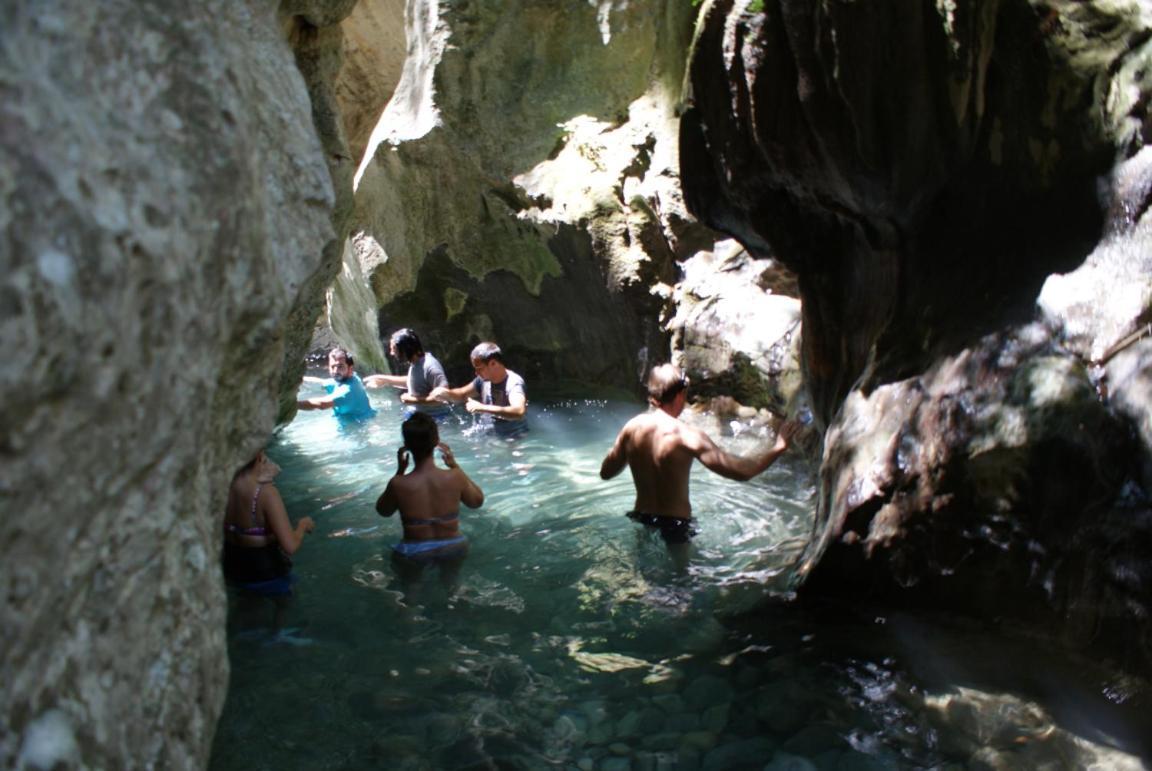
column 737, row 328
column 314, row 31
column 374, row 55
column 923, row 189
column 163, row 201
column 521, row 184
column 1104, row 307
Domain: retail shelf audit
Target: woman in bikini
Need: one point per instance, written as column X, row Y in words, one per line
column 428, row 499
column 258, row 536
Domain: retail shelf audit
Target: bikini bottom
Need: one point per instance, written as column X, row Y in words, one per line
column 260, row 569
column 434, row 549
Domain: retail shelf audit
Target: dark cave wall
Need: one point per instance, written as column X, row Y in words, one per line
column 927, row 176
column 922, row 187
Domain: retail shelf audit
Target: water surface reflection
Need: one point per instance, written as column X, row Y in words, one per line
column 574, row 641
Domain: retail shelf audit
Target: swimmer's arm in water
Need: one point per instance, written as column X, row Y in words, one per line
column 470, row 492
column 383, row 381
column 276, row 517
column 516, row 409
column 617, row 457
column 734, row 466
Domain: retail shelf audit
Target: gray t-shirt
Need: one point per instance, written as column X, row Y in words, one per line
column 497, row 394
column 424, row 374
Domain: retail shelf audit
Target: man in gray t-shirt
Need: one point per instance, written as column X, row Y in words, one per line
column 496, row 391
column 424, row 374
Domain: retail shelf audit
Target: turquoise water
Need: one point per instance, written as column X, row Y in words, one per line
column 574, row 640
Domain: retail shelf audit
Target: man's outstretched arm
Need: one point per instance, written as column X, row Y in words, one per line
column 383, row 381
column 740, row 468
column 460, row 394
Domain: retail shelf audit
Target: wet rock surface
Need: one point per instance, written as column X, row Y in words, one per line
column 736, row 331
column 988, row 483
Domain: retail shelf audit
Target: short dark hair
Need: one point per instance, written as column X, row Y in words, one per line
column 487, row 352
column 420, row 435
column 340, row 353
column 665, row 381
column 407, row 344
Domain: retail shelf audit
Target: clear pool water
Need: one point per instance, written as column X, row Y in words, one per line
column 575, row 641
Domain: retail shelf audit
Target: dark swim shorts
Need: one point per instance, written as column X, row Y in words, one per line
column 672, row 529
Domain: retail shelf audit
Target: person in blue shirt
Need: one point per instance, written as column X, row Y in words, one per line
column 496, row 391
column 345, row 392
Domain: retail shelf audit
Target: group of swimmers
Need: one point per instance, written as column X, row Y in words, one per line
column 656, row 446
column 496, row 391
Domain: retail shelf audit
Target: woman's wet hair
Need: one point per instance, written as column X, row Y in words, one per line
column 420, row 435
column 487, row 352
column 250, row 464
column 665, row 381
column 407, row 344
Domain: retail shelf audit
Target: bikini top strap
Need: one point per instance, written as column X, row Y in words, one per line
column 255, row 498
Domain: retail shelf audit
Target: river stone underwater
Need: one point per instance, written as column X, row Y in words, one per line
column 574, row 641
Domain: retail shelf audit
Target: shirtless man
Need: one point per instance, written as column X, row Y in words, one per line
column 428, row 499
column 659, row 450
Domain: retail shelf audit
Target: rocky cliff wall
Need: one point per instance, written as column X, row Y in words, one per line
column 375, row 49
column 521, row 184
column 316, row 32
column 924, row 190
column 163, row 202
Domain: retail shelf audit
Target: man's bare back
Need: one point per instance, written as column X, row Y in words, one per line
column 659, row 450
